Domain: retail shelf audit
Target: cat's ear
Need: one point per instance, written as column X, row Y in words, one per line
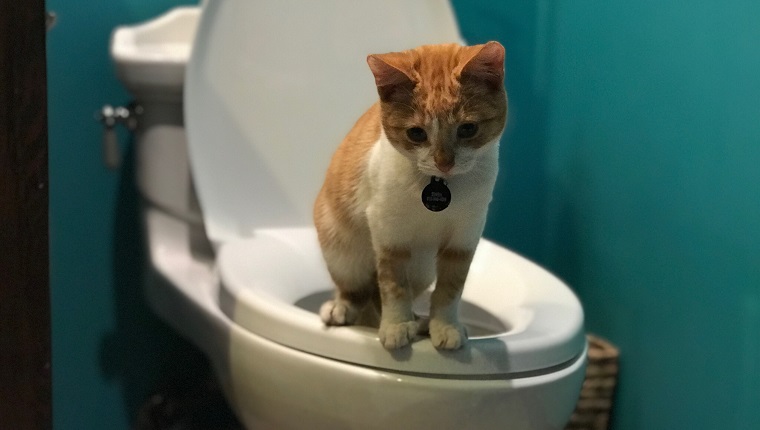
column 484, row 63
column 392, row 75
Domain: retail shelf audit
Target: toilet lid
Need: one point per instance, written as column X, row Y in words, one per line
column 271, row 89
column 522, row 320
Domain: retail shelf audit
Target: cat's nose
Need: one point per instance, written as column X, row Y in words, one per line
column 445, row 167
column 444, row 160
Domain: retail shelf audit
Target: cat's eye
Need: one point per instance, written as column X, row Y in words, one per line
column 467, row 130
column 416, row 134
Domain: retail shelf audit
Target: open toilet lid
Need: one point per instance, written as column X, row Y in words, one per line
column 271, row 89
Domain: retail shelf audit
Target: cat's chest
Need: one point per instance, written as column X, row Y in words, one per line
column 465, row 200
column 398, row 216
column 398, row 202
column 393, row 196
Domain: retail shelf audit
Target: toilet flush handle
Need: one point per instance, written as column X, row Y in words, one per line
column 110, row 117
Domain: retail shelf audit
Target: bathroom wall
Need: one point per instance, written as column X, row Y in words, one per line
column 109, row 351
column 631, row 170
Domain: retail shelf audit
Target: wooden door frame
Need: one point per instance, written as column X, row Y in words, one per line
column 25, row 374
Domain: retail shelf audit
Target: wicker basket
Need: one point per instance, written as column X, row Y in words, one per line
column 595, row 404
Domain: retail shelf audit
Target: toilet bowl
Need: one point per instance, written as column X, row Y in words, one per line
column 270, row 89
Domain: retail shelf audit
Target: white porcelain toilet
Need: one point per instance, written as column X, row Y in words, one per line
column 270, row 89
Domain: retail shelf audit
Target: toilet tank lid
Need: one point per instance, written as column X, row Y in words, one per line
column 271, row 89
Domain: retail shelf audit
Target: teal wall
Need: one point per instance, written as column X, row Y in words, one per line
column 108, row 349
column 632, row 169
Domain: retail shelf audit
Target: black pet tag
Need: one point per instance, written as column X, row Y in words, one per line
column 436, row 195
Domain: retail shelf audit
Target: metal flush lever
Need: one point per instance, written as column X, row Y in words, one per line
column 50, row 19
column 110, row 117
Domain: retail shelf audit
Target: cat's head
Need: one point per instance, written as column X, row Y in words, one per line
column 442, row 105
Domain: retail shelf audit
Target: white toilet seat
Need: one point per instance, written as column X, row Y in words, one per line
column 536, row 321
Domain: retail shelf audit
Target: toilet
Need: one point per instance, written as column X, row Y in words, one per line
column 269, row 91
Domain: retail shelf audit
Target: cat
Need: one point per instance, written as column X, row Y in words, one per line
column 441, row 112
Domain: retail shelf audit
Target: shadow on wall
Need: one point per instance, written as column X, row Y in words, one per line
column 166, row 382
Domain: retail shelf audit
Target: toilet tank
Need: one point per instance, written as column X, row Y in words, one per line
column 150, row 60
column 271, row 89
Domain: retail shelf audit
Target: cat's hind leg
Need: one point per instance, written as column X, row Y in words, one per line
column 348, row 308
column 352, row 269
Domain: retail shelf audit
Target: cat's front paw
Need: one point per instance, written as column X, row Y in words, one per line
column 447, row 336
column 397, row 335
column 335, row 312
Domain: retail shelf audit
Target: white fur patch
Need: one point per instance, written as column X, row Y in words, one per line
column 395, row 213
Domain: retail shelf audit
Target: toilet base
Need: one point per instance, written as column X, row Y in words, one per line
column 281, row 388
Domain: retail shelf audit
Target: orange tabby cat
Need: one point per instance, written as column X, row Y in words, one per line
column 441, row 113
